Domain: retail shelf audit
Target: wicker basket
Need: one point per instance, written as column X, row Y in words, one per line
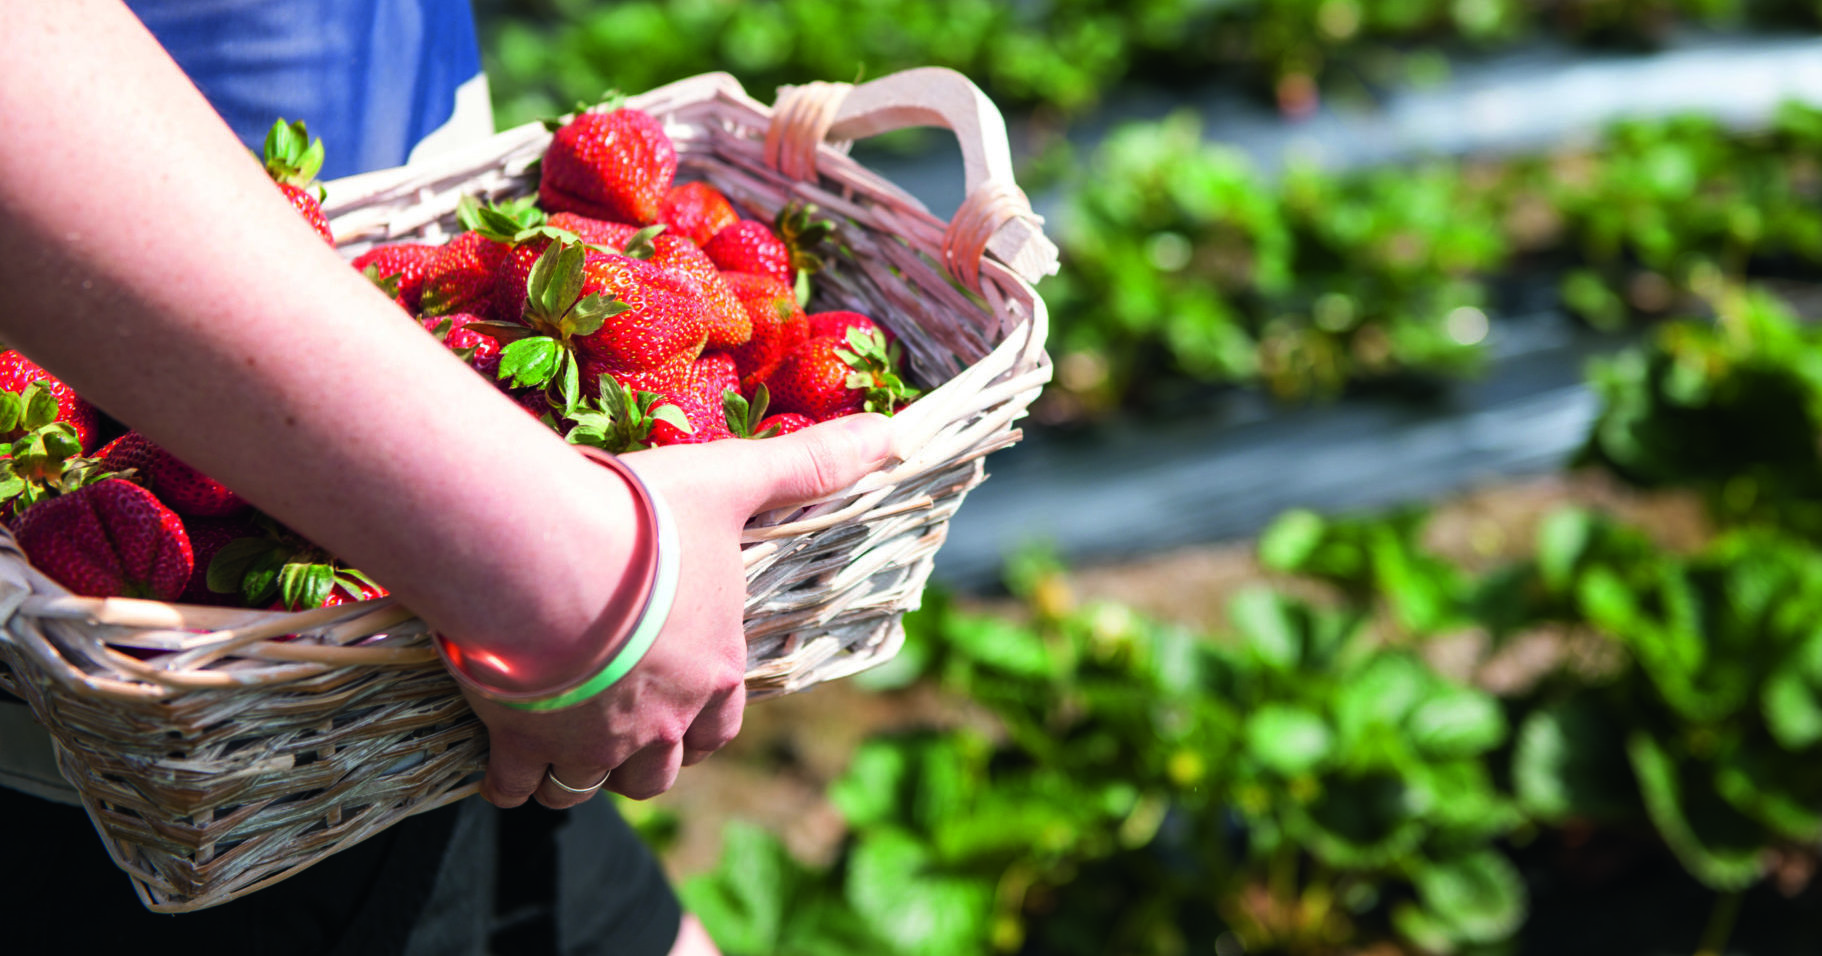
column 215, row 760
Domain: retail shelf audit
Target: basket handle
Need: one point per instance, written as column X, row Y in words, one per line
column 995, row 217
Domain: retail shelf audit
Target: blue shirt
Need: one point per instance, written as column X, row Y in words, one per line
column 369, row 77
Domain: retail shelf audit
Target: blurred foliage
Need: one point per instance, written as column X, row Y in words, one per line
column 1182, row 263
column 1730, row 409
column 1059, row 55
column 1307, row 782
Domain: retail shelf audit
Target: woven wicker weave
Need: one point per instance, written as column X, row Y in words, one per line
column 215, row 760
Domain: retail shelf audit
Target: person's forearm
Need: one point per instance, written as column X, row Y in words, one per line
column 145, row 259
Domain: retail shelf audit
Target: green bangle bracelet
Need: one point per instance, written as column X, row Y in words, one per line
column 657, row 612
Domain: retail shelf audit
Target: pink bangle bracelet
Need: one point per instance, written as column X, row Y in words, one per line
column 537, row 681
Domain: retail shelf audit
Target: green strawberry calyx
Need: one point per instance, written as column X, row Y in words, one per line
column 874, row 364
column 541, row 354
column 621, row 420
column 802, row 234
column 45, row 462
column 279, row 564
column 291, row 157
column 743, row 417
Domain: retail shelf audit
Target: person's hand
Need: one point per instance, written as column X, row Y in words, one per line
column 685, row 698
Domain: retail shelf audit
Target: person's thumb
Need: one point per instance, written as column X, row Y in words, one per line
column 818, row 461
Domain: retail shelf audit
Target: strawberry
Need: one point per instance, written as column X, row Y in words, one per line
column 696, row 210
column 616, row 164
column 208, row 536
column 729, row 324
column 511, row 279
column 785, row 250
column 782, row 423
column 17, row 376
column 778, row 323
column 293, row 159
column 837, row 323
column 478, row 349
column 750, row 246
column 461, row 277
column 827, row 377
column 613, row 313
column 45, row 462
column 399, row 269
column 108, row 539
column 699, row 393
column 184, row 489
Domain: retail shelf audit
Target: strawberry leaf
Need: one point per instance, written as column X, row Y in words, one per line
column 639, row 245
column 40, row 406
column 259, row 583
column 673, row 416
column 305, row 584
column 388, row 284
column 531, row 362
column 228, row 569
column 593, row 312
column 12, row 411
column 468, row 213
column 571, row 381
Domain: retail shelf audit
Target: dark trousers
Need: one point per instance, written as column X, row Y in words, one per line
column 465, row 880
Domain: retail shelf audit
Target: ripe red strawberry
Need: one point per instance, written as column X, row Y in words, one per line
column 615, row 165
column 293, row 159
column 184, row 489
column 512, row 278
column 208, row 536
column 828, row 377
column 399, row 269
column 478, row 349
column 729, row 324
column 18, row 373
column 108, row 539
column 699, row 394
column 461, row 277
column 696, row 210
column 604, row 311
column 778, row 324
column 750, row 246
column 783, row 423
column 664, row 322
column 837, row 323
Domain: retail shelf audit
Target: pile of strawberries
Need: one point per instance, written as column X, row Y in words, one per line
column 621, row 308
column 626, row 309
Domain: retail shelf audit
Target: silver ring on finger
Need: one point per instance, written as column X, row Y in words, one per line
column 550, row 774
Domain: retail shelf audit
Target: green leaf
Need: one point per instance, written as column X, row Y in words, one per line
column 1359, row 820
column 571, row 379
column 1000, row 644
column 1380, row 694
column 40, row 407
column 1266, row 625
column 592, row 313
column 1479, row 896
column 870, row 792
column 259, row 584
column 530, row 363
column 12, row 412
column 303, row 585
column 1288, row 740
column 1570, row 761
column 1458, row 722
column 230, row 565
column 1425, row 929
column 893, row 884
column 1292, row 537
column 1793, row 712
column 745, row 902
column 672, row 416
column 1714, row 842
